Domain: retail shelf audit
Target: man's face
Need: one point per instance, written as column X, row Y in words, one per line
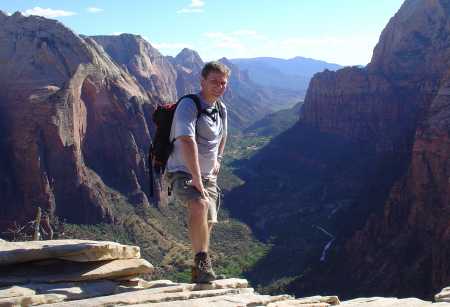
column 213, row 86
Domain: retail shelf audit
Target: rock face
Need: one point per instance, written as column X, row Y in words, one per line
column 406, row 70
column 188, row 65
column 152, row 70
column 402, row 102
column 73, row 125
column 86, row 286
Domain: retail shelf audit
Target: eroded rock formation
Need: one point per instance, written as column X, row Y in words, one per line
column 73, row 127
column 137, row 56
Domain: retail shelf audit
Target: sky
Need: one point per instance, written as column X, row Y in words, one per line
column 343, row 32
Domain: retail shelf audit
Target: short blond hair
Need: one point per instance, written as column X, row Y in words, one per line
column 215, row 66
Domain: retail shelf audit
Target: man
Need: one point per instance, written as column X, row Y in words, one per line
column 195, row 160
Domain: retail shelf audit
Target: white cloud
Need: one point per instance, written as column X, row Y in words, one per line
column 94, row 10
column 167, row 46
column 118, row 33
column 257, row 37
column 190, row 11
column 229, row 45
column 49, row 13
column 226, row 39
column 213, row 35
column 220, row 37
column 197, row 3
column 243, row 32
column 317, row 41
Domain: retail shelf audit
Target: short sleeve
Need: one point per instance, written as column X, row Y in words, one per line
column 184, row 119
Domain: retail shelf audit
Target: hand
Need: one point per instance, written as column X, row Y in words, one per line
column 197, row 183
column 216, row 168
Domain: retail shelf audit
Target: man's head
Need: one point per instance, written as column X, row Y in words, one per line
column 214, row 80
column 216, row 66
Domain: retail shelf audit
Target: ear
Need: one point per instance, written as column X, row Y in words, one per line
column 202, row 80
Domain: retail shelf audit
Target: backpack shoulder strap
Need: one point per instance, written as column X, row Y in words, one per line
column 220, row 108
column 197, row 102
column 199, row 109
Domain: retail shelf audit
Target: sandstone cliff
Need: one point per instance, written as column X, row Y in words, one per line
column 188, row 65
column 148, row 65
column 73, row 127
column 400, row 102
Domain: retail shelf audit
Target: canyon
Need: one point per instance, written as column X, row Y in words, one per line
column 367, row 163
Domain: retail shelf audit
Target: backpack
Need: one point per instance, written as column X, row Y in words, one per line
column 162, row 146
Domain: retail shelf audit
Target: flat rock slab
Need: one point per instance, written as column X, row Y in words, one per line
column 31, row 300
column 313, row 301
column 443, row 296
column 293, row 303
column 149, row 296
column 53, row 293
column 56, row 271
column 386, row 302
column 139, row 284
column 15, row 291
column 234, row 300
column 73, row 250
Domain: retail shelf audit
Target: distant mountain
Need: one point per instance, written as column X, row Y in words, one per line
column 294, row 73
column 242, row 111
column 241, row 81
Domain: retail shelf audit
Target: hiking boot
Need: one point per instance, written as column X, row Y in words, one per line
column 194, row 278
column 201, row 271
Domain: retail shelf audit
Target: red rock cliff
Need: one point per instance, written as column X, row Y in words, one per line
column 153, row 71
column 402, row 97
column 73, row 127
column 405, row 72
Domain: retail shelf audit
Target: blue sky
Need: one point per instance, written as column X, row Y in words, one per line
column 342, row 32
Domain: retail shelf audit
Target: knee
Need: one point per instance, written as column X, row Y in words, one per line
column 198, row 206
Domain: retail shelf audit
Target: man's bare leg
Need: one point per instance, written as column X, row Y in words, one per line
column 198, row 226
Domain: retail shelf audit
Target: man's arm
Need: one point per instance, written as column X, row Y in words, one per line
column 190, row 154
column 221, row 148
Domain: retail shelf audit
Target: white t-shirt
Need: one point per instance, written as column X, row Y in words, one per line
column 209, row 135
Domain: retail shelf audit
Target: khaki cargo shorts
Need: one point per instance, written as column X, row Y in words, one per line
column 178, row 183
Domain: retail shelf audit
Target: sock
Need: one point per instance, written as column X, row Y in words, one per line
column 201, row 254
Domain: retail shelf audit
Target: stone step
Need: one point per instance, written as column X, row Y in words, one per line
column 71, row 292
column 73, row 250
column 56, row 271
column 150, row 296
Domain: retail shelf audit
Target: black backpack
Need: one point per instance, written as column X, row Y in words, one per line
column 162, row 146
